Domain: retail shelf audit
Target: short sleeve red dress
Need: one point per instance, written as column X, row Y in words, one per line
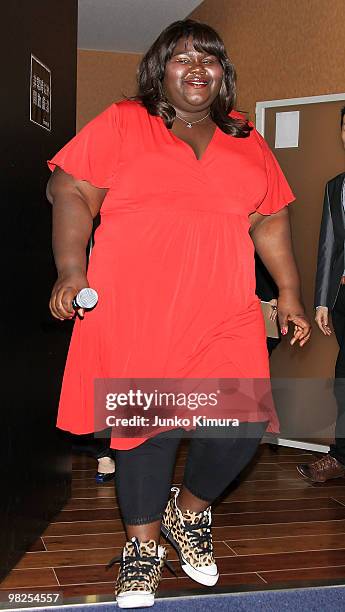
column 173, row 262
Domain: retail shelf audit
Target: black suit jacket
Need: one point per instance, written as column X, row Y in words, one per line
column 330, row 260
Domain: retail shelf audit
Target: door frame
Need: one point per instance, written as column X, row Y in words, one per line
column 260, row 110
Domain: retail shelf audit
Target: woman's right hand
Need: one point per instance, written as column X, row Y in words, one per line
column 321, row 318
column 65, row 289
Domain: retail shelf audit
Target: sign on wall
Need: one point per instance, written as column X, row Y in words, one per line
column 40, row 94
column 287, row 130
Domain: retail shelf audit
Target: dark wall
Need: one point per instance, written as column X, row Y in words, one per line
column 34, row 457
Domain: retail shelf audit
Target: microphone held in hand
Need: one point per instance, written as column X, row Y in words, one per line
column 86, row 298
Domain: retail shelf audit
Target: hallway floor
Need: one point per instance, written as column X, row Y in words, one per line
column 272, row 530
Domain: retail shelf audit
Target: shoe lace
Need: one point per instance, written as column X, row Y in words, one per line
column 200, row 536
column 138, row 567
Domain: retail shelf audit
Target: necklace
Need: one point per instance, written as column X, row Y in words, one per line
column 190, row 124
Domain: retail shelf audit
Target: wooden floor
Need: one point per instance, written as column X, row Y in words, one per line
column 272, row 529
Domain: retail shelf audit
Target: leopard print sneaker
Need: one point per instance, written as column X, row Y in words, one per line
column 190, row 535
column 139, row 573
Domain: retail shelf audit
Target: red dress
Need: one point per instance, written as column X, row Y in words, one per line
column 173, row 262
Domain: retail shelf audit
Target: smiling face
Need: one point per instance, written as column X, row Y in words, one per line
column 192, row 79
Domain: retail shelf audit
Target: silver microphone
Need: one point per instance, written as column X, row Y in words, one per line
column 86, row 298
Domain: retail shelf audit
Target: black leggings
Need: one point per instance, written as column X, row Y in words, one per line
column 144, row 474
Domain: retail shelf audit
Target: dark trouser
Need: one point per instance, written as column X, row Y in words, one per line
column 95, row 446
column 89, row 445
column 144, row 474
column 338, row 318
column 272, row 343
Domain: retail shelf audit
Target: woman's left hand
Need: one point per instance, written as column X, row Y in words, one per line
column 291, row 309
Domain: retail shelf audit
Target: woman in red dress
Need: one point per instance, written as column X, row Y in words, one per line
column 186, row 188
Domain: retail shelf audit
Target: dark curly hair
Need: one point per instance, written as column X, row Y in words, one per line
column 152, row 67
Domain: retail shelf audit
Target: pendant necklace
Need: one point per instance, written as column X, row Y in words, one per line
column 190, row 124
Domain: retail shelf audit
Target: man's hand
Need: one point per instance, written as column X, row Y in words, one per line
column 321, row 319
